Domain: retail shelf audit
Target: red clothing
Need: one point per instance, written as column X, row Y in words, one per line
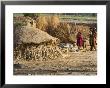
column 79, row 40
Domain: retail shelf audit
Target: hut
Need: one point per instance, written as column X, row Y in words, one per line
column 34, row 44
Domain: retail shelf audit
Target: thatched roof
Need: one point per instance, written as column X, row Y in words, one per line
column 31, row 35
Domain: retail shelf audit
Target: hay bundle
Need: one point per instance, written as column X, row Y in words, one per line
column 54, row 22
column 42, row 23
column 62, row 32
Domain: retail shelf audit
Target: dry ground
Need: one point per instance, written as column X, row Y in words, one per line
column 77, row 63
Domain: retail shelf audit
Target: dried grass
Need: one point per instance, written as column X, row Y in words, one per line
column 42, row 23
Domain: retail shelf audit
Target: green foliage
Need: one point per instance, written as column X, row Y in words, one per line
column 30, row 14
column 19, row 22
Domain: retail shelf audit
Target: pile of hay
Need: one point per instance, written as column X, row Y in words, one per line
column 62, row 32
column 44, row 22
column 41, row 52
column 53, row 26
column 34, row 44
column 54, row 21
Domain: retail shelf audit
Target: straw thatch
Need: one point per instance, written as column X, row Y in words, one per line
column 35, row 44
column 31, row 35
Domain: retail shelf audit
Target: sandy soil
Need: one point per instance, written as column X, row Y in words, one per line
column 77, row 63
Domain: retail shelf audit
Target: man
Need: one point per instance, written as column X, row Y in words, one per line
column 92, row 38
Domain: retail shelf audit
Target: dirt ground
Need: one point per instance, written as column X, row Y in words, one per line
column 77, row 63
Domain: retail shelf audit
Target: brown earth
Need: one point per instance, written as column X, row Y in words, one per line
column 77, row 63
